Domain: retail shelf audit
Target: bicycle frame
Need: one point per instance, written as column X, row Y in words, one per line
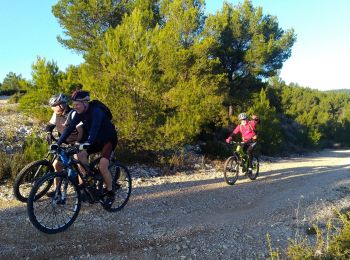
column 69, row 162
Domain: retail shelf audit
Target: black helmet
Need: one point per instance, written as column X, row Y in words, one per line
column 80, row 95
column 57, row 100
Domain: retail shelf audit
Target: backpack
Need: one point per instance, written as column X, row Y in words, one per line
column 103, row 107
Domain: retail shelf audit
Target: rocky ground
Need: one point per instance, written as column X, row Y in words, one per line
column 193, row 214
column 14, row 126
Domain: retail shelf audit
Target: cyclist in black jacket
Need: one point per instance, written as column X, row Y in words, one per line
column 100, row 135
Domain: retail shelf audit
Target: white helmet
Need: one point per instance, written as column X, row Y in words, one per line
column 57, row 100
column 242, row 116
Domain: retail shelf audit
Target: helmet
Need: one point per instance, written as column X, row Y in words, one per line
column 80, row 95
column 242, row 116
column 57, row 99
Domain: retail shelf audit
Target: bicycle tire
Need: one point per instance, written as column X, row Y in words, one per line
column 255, row 169
column 45, row 212
column 231, row 170
column 28, row 175
column 122, row 185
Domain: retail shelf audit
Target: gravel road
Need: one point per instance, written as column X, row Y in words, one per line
column 193, row 215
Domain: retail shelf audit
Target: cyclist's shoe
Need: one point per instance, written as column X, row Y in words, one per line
column 250, row 170
column 109, row 199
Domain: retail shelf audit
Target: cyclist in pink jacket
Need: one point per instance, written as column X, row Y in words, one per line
column 248, row 131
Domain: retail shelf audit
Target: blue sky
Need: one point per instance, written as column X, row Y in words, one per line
column 319, row 60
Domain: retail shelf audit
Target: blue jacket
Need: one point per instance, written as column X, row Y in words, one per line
column 96, row 125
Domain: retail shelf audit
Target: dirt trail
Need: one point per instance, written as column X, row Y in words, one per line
column 195, row 216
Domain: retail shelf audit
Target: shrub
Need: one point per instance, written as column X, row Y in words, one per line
column 217, row 149
column 33, row 103
column 33, row 149
column 5, row 166
column 327, row 246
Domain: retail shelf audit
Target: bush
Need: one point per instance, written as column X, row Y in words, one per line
column 33, row 149
column 327, row 246
column 15, row 98
column 5, row 166
column 217, row 149
column 33, row 103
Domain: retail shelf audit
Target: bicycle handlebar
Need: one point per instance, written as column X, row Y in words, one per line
column 234, row 142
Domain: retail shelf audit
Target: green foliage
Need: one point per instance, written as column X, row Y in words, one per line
column 70, row 80
column 269, row 129
column 46, row 76
column 15, row 98
column 47, row 80
column 332, row 245
column 5, row 166
column 13, row 83
column 34, row 148
column 339, row 246
column 248, row 43
column 33, row 104
column 168, row 73
column 85, row 22
column 161, row 78
column 216, row 149
column 300, row 250
column 321, row 116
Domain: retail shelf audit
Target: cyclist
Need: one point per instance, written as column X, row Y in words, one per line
column 101, row 135
column 248, row 131
column 61, row 116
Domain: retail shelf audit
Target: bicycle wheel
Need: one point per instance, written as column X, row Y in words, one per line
column 255, row 169
column 56, row 212
column 231, row 170
column 28, row 175
column 121, row 185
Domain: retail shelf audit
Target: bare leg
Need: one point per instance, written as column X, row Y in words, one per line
column 82, row 157
column 58, row 168
column 107, row 177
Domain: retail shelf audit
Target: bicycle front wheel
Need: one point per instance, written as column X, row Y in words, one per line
column 56, row 210
column 121, row 185
column 231, row 170
column 28, row 175
column 255, row 168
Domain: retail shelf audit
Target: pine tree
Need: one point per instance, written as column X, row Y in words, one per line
column 269, row 128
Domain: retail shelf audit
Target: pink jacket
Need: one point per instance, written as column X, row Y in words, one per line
column 248, row 131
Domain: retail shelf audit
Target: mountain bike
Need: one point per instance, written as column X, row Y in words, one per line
column 55, row 209
column 239, row 161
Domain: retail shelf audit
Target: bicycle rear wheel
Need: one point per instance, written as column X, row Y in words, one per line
column 255, row 168
column 56, row 212
column 231, row 170
column 121, row 185
column 28, row 175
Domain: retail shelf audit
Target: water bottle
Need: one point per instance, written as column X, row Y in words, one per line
column 239, row 150
column 71, row 173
